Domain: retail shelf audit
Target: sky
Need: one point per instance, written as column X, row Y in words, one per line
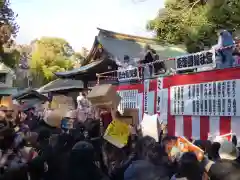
column 77, row 20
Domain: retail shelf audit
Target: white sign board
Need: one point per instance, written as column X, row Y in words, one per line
column 150, row 127
column 196, row 60
column 163, row 113
column 128, row 74
column 128, row 99
column 159, row 93
column 146, row 90
column 218, row 98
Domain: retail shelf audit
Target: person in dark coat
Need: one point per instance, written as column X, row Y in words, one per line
column 57, row 162
column 228, row 167
column 33, row 170
column 189, row 168
column 205, row 145
column 20, row 173
column 81, row 163
column 32, row 120
column 167, row 144
column 149, row 151
column 214, row 152
column 117, row 160
column 117, row 172
column 143, row 170
column 55, row 156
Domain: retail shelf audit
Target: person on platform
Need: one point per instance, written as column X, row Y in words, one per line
column 84, row 107
column 224, row 49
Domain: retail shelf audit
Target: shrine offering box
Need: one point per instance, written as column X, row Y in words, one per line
column 104, row 96
column 134, row 113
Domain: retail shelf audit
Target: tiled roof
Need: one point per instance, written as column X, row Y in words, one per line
column 119, row 45
column 29, row 94
column 61, row 84
column 81, row 69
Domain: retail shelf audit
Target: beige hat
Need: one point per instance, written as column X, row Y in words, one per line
column 227, row 150
column 54, row 118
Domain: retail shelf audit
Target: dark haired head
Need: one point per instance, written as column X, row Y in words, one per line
column 205, row 145
column 169, row 138
column 126, row 58
column 189, row 167
column 148, row 149
column 144, row 143
column 92, row 127
column 214, row 151
column 81, row 162
column 112, row 153
column 215, row 146
column 168, row 142
column 143, row 170
column 234, row 140
column 43, row 135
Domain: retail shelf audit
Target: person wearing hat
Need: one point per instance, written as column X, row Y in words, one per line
column 51, row 122
column 68, row 120
column 225, row 49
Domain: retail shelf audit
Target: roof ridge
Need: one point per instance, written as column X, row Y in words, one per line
column 128, row 36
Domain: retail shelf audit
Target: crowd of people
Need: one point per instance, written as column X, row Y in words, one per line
column 37, row 147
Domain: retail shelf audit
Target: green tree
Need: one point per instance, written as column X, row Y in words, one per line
column 11, row 54
column 78, row 59
column 194, row 23
column 81, row 57
column 50, row 55
column 8, row 30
